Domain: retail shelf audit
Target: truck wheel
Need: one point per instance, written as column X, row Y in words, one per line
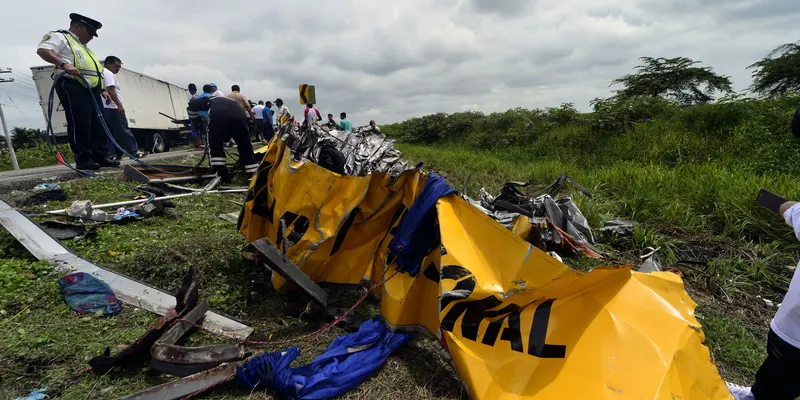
column 158, row 143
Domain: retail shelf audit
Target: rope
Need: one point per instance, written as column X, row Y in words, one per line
column 310, row 336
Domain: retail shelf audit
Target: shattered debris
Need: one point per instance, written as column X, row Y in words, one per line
column 63, row 230
column 45, row 248
column 45, row 196
column 618, row 228
column 515, row 321
column 550, row 224
column 357, row 153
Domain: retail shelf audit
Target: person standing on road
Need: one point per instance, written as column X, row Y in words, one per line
column 331, row 123
column 345, row 123
column 777, row 377
column 195, row 123
column 269, row 129
column 311, row 115
column 281, row 114
column 215, row 91
column 227, row 122
column 241, row 100
column 114, row 111
column 79, row 89
column 373, row 127
column 258, row 113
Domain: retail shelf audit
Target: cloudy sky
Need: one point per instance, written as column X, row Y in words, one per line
column 390, row 60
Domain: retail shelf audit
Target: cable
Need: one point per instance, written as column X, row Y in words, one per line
column 21, row 74
column 17, row 107
column 20, row 94
column 51, row 134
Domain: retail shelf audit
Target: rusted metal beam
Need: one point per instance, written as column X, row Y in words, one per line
column 189, row 385
column 278, row 262
column 166, row 357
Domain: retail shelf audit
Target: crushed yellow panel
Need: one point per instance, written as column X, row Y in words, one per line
column 517, row 323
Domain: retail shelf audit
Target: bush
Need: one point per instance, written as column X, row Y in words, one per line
column 37, row 156
column 618, row 114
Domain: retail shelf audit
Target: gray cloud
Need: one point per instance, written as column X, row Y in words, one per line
column 507, row 8
column 396, row 59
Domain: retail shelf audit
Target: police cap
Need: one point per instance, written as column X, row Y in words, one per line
column 92, row 24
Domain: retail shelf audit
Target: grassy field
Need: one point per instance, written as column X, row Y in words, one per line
column 674, row 213
column 687, row 176
column 46, row 344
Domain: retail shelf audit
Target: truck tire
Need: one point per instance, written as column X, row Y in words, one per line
column 158, row 143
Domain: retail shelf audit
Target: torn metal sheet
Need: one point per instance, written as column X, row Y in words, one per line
column 188, row 386
column 650, row 261
column 182, row 361
column 620, row 228
column 230, row 217
column 364, row 151
column 144, row 175
column 63, row 230
column 140, row 350
column 130, row 291
column 277, row 262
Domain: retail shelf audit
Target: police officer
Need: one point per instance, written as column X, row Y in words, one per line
column 226, row 121
column 79, row 89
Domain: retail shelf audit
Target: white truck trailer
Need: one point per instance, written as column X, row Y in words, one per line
column 156, row 110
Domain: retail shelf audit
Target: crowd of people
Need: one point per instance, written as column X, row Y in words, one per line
column 264, row 118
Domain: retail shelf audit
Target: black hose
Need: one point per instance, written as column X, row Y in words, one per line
column 51, row 135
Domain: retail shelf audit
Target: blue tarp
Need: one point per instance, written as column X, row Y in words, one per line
column 347, row 362
column 88, row 295
column 417, row 234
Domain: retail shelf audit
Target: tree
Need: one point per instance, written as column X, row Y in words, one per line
column 23, row 138
column 674, row 78
column 778, row 72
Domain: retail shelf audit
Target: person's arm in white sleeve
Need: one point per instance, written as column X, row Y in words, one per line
column 791, row 213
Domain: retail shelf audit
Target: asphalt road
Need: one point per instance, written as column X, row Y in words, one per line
column 11, row 180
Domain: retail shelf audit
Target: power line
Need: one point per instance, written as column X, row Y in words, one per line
column 24, row 84
column 20, row 94
column 20, row 74
column 18, row 110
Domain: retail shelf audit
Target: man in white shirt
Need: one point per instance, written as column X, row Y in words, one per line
column 215, row 91
column 114, row 111
column 258, row 113
column 312, row 115
column 281, row 113
column 777, row 379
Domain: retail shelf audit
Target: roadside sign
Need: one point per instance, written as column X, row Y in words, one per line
column 307, row 94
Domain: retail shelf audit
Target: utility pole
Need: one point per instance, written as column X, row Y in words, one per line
column 5, row 128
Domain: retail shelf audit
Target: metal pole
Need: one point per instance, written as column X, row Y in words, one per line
column 133, row 202
column 8, row 140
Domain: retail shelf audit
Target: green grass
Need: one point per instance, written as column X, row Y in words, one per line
column 46, row 344
column 701, row 213
column 737, row 348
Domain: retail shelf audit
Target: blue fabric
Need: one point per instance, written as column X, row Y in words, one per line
column 266, row 114
column 38, row 394
column 87, row 295
column 200, row 96
column 417, row 231
column 347, row 362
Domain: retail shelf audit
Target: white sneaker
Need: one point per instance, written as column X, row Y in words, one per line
column 740, row 392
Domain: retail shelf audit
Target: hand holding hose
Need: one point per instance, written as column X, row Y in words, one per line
column 71, row 69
